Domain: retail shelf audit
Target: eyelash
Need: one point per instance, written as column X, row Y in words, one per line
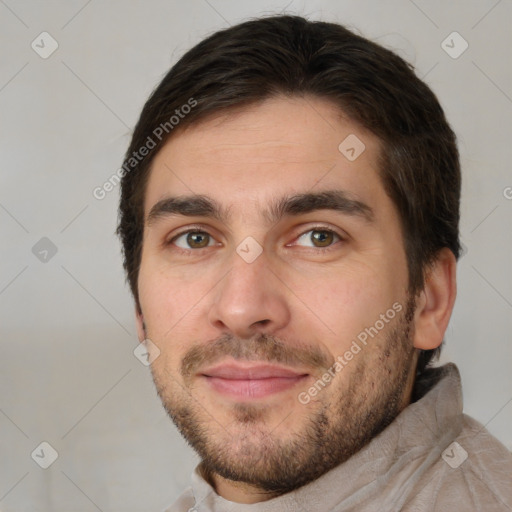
column 198, row 229
column 194, row 229
column 326, row 230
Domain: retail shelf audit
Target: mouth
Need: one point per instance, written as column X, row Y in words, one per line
column 251, row 381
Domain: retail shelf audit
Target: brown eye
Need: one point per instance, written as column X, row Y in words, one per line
column 192, row 240
column 198, row 240
column 318, row 238
column 322, row 238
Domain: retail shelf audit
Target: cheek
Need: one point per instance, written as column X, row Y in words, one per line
column 342, row 304
column 168, row 301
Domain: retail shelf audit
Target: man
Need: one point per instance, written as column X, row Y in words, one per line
column 289, row 219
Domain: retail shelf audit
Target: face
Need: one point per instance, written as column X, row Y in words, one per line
column 273, row 283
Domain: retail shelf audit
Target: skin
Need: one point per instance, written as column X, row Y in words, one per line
column 296, row 302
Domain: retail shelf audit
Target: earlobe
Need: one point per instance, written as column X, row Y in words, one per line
column 435, row 303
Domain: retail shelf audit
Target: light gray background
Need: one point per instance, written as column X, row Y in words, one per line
column 67, row 372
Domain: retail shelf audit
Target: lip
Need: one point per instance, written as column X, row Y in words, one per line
column 251, row 381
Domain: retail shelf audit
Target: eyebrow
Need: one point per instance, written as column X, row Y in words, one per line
column 297, row 204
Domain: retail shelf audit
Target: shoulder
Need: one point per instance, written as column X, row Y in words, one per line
column 473, row 473
column 489, row 465
column 184, row 503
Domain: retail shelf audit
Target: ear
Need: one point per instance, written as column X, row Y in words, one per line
column 141, row 327
column 434, row 304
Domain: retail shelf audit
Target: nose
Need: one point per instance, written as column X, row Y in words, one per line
column 250, row 299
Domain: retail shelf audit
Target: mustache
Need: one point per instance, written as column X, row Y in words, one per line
column 263, row 348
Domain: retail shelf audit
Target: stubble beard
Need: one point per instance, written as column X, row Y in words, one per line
column 334, row 427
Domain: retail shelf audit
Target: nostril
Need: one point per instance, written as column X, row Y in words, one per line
column 262, row 322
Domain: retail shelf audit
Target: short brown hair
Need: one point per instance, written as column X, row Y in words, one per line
column 289, row 55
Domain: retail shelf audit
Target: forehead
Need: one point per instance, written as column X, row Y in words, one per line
column 279, row 147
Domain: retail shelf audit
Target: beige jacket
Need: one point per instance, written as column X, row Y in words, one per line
column 431, row 458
